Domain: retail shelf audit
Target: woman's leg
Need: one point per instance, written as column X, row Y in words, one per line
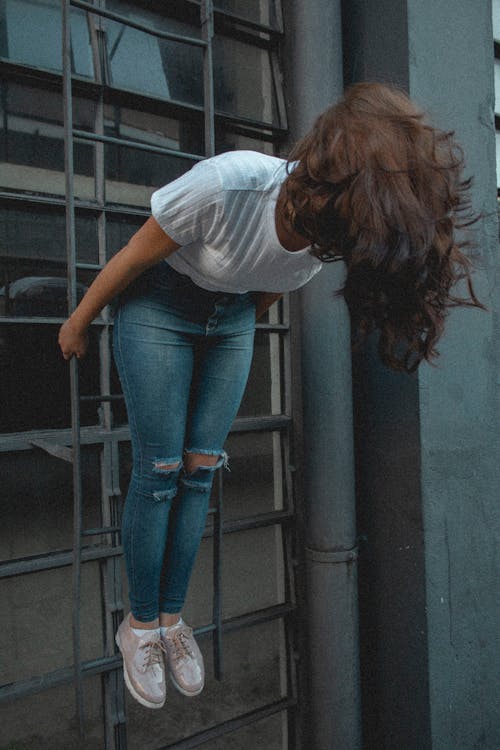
column 220, row 378
column 155, row 366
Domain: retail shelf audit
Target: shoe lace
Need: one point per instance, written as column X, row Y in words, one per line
column 180, row 641
column 153, row 652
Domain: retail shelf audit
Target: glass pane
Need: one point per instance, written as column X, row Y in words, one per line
column 497, row 142
column 496, row 19
column 152, row 66
column 497, row 87
column 32, row 36
column 258, row 11
column 253, row 664
column 228, row 141
column 26, row 234
column 32, row 143
column 263, row 394
column 36, row 289
column 132, row 175
column 255, row 483
column 38, row 490
column 46, row 721
column 154, row 129
column 119, row 229
column 35, row 379
column 243, row 80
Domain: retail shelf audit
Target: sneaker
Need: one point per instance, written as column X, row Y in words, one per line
column 184, row 659
column 143, row 665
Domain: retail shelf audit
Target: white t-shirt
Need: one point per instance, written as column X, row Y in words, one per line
column 222, row 214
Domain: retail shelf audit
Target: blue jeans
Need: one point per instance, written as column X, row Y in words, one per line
column 183, row 355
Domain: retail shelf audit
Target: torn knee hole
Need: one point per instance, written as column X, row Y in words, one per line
column 166, row 466
column 204, row 460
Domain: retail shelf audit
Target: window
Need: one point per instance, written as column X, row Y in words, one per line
column 496, row 37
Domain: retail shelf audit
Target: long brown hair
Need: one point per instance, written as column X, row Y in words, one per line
column 380, row 188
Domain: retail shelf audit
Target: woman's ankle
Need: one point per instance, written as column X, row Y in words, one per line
column 167, row 619
column 151, row 625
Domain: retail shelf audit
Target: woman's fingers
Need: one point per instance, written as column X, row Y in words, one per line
column 72, row 341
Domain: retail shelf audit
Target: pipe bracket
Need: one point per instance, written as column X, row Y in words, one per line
column 332, row 556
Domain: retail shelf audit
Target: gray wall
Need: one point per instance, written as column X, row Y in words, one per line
column 427, row 446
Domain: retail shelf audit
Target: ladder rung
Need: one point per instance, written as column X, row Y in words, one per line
column 113, row 397
column 102, row 530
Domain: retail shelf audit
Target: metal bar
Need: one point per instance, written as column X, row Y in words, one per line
column 232, row 725
column 267, row 137
column 274, row 33
column 257, row 617
column 217, row 582
column 250, row 618
column 255, row 25
column 89, row 266
column 18, row 441
column 278, row 89
column 58, row 451
column 12, row 319
column 279, row 15
column 36, row 563
column 109, row 397
column 52, row 560
column 256, row 125
column 207, row 31
column 24, row 320
column 83, row 135
column 102, row 530
column 74, row 383
column 257, row 424
column 272, row 327
column 293, row 728
column 37, row 684
column 34, row 685
column 136, row 25
column 258, row 521
column 83, row 207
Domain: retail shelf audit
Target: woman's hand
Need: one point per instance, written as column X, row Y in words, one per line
column 148, row 246
column 72, row 340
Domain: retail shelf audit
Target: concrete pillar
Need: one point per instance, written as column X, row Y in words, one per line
column 428, row 446
column 314, row 81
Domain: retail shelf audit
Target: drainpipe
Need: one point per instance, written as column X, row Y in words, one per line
column 333, row 722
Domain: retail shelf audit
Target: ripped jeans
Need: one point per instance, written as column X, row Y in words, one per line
column 183, row 355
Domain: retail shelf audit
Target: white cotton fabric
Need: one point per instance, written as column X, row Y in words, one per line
column 222, row 214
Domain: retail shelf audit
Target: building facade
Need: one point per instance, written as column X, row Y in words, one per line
column 345, row 594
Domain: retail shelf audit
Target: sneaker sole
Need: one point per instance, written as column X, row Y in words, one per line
column 182, row 690
column 131, row 689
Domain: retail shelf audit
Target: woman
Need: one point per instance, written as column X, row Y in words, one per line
column 372, row 184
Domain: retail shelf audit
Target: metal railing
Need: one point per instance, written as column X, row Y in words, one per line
column 67, row 444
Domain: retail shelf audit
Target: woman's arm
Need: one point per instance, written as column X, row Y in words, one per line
column 148, row 246
column 263, row 301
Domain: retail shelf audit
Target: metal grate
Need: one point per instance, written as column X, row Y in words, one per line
column 67, row 444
